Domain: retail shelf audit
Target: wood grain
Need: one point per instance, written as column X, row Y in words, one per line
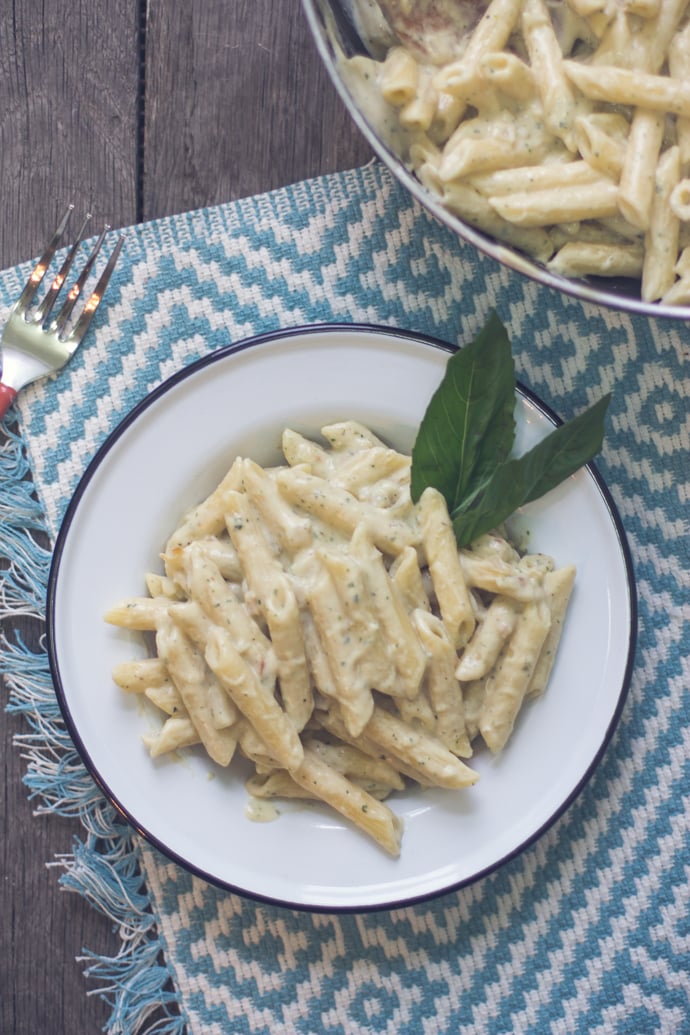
column 237, row 104
column 140, row 110
column 69, row 77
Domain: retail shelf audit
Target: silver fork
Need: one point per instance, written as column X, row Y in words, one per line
column 33, row 342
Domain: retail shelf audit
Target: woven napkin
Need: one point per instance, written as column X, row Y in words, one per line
column 588, row 929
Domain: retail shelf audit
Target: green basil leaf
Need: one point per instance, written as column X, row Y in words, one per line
column 469, row 426
column 523, row 479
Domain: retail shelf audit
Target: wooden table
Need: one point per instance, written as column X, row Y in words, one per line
column 139, row 110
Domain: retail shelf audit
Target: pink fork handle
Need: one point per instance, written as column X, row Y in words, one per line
column 7, row 397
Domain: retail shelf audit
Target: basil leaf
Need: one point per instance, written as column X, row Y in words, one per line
column 468, row 427
column 526, row 478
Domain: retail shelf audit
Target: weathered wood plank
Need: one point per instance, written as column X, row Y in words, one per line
column 68, row 116
column 237, row 103
column 42, row 986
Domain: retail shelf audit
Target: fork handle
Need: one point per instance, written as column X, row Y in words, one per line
column 7, row 397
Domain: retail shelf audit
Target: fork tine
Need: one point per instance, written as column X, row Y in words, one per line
column 45, row 308
column 39, row 270
column 60, row 322
column 84, row 321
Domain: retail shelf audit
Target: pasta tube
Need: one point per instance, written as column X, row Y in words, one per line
column 440, row 547
column 508, row 683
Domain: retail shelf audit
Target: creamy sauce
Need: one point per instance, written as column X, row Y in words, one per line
column 342, row 573
column 261, row 810
column 435, row 31
column 440, row 84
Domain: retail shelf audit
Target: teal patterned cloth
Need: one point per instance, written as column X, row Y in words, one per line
column 588, row 930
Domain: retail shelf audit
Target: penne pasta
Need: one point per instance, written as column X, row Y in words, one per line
column 446, row 571
column 261, row 709
column 206, row 519
column 442, row 686
column 558, row 587
column 602, row 140
column 135, row 677
column 576, row 259
column 372, row 816
column 399, row 77
column 332, row 634
column 536, row 177
column 141, row 613
column 340, row 645
column 638, row 174
column 554, row 120
column 631, row 88
column 404, row 653
column 661, row 239
column 167, row 698
column 279, row 520
column 546, row 59
column 595, row 200
column 481, row 653
column 509, row 681
column 421, row 752
column 343, row 511
column 188, row 673
column 175, row 733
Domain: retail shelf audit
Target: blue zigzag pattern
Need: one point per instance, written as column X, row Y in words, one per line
column 587, row 931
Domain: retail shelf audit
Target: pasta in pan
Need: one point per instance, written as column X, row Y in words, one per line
column 314, row 621
column 560, row 128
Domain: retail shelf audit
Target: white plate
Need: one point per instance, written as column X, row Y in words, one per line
column 173, row 449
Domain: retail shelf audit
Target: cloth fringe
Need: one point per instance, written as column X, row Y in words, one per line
column 104, row 867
